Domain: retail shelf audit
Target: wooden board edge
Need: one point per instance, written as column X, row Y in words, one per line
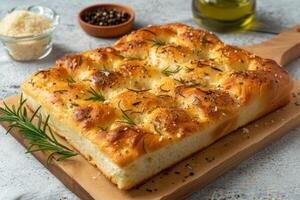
column 233, row 161
column 55, row 169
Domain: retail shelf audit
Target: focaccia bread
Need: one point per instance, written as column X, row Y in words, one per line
column 155, row 97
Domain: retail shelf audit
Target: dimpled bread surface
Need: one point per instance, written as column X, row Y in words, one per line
column 155, row 97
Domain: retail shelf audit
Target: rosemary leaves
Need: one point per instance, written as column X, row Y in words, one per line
column 95, row 95
column 157, row 42
column 168, row 72
column 125, row 118
column 36, row 134
column 70, row 80
column 138, row 90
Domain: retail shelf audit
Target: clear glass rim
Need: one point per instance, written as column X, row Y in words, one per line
column 54, row 20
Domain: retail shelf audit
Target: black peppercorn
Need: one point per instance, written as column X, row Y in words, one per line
column 105, row 17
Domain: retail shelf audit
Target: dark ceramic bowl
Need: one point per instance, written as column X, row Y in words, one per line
column 107, row 31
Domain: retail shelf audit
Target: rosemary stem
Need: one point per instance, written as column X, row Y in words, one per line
column 40, row 135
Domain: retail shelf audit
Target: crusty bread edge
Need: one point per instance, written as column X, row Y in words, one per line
column 151, row 163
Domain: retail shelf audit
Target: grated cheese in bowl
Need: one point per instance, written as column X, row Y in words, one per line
column 23, row 23
column 27, row 34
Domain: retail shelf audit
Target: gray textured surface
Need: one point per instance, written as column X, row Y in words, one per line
column 273, row 173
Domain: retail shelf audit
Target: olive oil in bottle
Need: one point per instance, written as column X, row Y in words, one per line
column 223, row 15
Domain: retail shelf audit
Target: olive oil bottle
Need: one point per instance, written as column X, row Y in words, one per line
column 223, row 15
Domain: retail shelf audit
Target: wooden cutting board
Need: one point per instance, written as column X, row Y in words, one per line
column 190, row 175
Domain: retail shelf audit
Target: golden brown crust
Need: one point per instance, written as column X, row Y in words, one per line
column 160, row 84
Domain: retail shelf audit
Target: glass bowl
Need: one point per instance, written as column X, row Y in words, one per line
column 32, row 47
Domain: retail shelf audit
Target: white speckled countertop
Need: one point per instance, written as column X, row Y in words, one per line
column 273, row 173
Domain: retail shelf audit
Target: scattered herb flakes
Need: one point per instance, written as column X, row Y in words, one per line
column 60, row 91
column 73, row 105
column 188, row 166
column 31, row 82
column 245, row 130
column 203, row 40
column 103, row 128
column 209, row 159
column 157, row 131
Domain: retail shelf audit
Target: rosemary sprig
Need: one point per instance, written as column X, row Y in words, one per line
column 96, row 95
column 103, row 128
column 180, row 80
column 157, row 131
column 168, row 72
column 70, row 80
column 41, row 71
column 187, row 69
column 217, row 69
column 151, row 32
column 39, row 140
column 157, row 43
column 203, row 40
column 137, row 90
column 125, row 118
